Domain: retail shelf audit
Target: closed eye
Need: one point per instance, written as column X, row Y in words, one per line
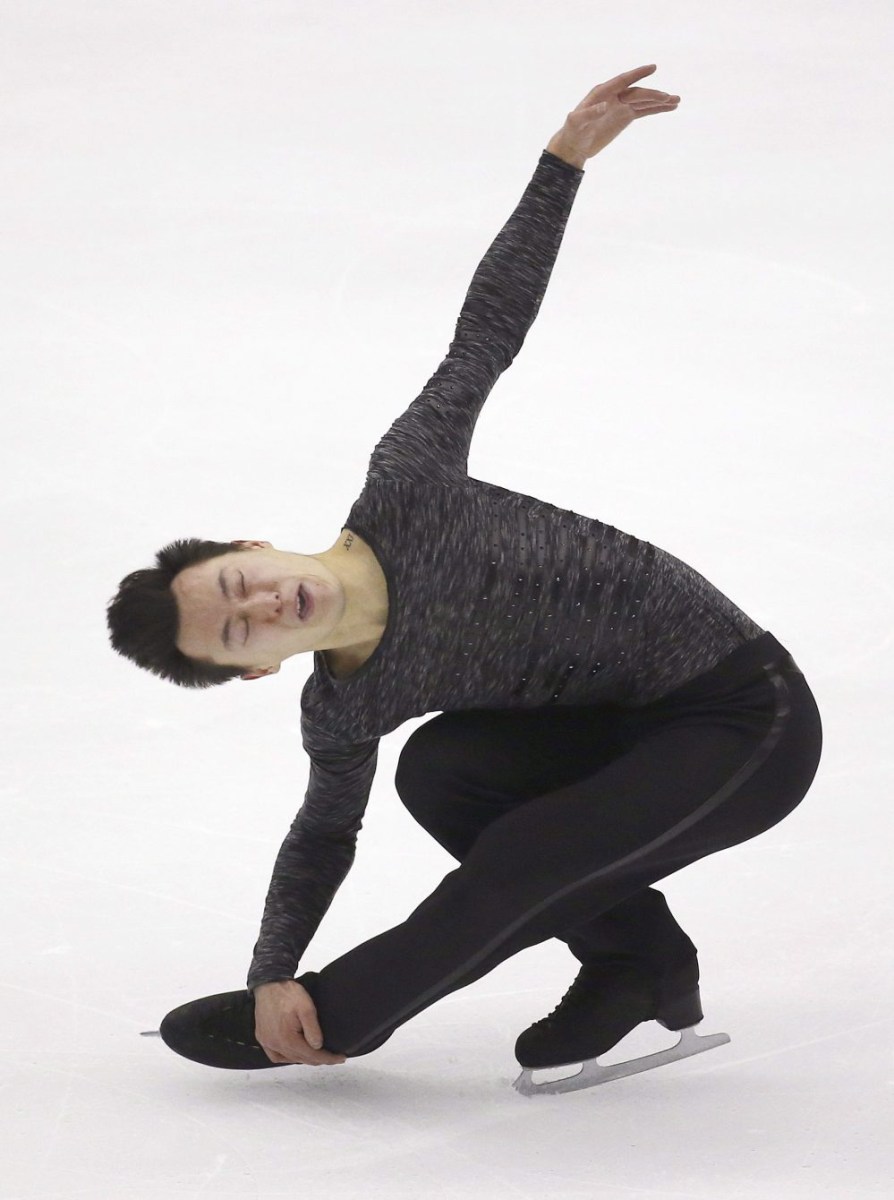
column 244, row 593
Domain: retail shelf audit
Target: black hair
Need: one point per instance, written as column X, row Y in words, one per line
column 144, row 620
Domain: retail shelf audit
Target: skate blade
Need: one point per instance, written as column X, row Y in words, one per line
column 593, row 1072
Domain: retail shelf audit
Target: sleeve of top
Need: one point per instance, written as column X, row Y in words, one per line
column 430, row 441
column 317, row 853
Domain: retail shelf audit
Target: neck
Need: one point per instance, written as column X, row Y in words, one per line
column 366, row 594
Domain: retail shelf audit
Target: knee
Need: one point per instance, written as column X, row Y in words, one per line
column 427, row 760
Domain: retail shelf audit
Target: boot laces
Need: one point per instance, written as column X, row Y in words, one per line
column 577, row 996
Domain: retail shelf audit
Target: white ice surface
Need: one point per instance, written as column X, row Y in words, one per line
column 236, row 236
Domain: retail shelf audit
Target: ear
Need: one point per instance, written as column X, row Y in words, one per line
column 251, row 545
column 260, row 673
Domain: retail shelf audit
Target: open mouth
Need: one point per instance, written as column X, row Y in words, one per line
column 303, row 604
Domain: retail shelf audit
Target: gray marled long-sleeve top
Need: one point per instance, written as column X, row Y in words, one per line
column 495, row 599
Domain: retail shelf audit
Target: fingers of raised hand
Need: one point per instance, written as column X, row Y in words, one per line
column 626, row 78
column 644, row 96
column 646, row 108
column 629, row 77
column 634, row 102
column 611, row 87
column 642, row 100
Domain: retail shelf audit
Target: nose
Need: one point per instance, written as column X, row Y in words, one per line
column 262, row 604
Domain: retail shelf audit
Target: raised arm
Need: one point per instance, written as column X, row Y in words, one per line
column 429, row 442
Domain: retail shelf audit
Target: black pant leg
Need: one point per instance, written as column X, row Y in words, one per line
column 699, row 782
column 463, row 770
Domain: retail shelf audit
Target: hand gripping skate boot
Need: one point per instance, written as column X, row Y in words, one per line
column 219, row 1031
column 606, row 1001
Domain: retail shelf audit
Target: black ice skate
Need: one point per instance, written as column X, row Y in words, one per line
column 605, row 1002
column 218, row 1031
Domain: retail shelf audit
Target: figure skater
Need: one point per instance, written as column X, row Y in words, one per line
column 606, row 715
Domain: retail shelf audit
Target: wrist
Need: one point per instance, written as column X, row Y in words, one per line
column 272, row 985
column 560, row 148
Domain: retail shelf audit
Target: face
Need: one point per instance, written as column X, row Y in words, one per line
column 255, row 608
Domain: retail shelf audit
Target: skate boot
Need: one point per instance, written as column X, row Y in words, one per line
column 219, row 1031
column 607, row 1000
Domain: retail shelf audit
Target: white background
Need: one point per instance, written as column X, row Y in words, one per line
column 236, row 236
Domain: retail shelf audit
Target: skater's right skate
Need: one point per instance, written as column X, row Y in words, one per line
column 606, row 1002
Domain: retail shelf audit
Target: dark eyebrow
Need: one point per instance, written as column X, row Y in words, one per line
column 225, row 636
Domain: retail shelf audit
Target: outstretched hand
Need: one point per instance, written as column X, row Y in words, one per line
column 605, row 112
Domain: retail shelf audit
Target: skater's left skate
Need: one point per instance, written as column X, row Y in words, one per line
column 219, row 1031
column 606, row 1001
